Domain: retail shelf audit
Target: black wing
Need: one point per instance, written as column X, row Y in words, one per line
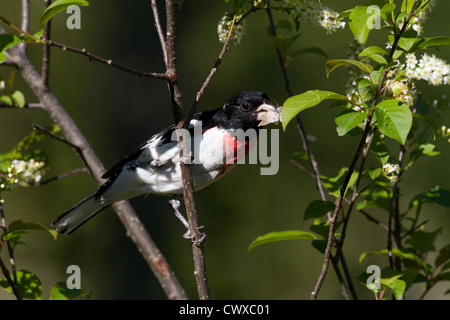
column 208, row 121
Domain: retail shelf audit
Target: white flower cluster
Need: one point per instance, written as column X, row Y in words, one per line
column 314, row 13
column 429, row 68
column 416, row 22
column 403, row 91
column 391, row 171
column 22, row 172
column 225, row 26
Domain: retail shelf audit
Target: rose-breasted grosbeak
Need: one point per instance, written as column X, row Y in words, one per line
column 154, row 167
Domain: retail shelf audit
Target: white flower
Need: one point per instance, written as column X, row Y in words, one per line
column 314, row 13
column 27, row 172
column 389, row 168
column 224, row 28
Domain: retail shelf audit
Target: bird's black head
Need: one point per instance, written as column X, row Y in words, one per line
column 245, row 110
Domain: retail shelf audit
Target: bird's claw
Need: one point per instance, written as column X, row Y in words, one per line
column 191, row 235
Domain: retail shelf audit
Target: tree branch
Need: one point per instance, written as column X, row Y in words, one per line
column 12, row 281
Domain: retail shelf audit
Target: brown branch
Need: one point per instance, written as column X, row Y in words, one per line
column 108, row 62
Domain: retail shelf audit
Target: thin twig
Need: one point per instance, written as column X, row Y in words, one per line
column 46, row 50
column 12, row 281
column 108, row 62
column 60, row 176
column 26, row 106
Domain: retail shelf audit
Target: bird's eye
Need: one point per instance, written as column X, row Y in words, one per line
column 246, row 106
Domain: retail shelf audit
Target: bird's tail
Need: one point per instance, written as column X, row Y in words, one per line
column 81, row 212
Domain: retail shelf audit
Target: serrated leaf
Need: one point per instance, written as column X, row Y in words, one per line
column 58, row 6
column 298, row 103
column 281, row 236
column 394, row 119
column 336, row 63
column 348, row 120
column 317, row 209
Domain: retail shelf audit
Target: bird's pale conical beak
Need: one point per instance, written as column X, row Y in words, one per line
column 267, row 113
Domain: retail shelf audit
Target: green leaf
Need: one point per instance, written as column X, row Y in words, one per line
column 281, row 236
column 432, row 42
column 7, row 41
column 380, row 151
column 298, row 103
column 371, row 50
column 315, row 50
column 58, row 6
column 426, row 149
column 395, row 252
column 284, row 43
column 323, row 227
column 334, row 184
column 30, row 286
column 388, row 8
column 30, row 225
column 336, row 63
column 396, row 285
column 317, row 209
column 348, row 120
column 320, row 245
column 442, row 256
column 61, row 292
column 18, row 98
column 407, row 40
column 374, row 173
column 284, row 24
column 422, row 241
column 361, row 17
column 394, row 119
column 437, row 195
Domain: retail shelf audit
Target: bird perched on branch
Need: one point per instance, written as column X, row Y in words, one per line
column 210, row 145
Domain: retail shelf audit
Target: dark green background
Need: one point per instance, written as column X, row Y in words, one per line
column 117, row 111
